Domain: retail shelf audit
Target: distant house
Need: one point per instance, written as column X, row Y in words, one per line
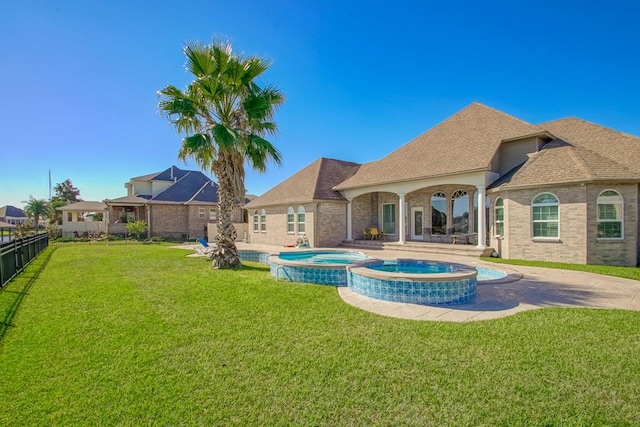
column 12, row 215
column 565, row 190
column 84, row 218
column 175, row 203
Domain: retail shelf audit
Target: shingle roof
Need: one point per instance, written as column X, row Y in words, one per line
column 314, row 182
column 620, row 147
column 171, row 174
column 185, row 188
column 134, row 200
column 562, row 163
column 12, row 211
column 84, row 206
column 467, row 141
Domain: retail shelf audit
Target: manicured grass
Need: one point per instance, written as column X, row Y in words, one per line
column 142, row 335
column 625, row 272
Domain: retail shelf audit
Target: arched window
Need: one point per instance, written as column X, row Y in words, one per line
column 546, row 216
column 460, row 209
column 263, row 221
column 610, row 215
column 256, row 221
column 301, row 220
column 438, row 213
column 291, row 221
column 498, row 215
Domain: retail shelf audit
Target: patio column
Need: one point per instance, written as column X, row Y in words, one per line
column 349, row 220
column 401, row 214
column 482, row 218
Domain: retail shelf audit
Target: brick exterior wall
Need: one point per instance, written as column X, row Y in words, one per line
column 332, row 224
column 276, row 232
column 169, row 221
column 613, row 252
column 578, row 242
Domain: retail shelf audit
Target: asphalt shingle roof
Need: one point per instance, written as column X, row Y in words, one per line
column 12, row 211
column 84, row 206
column 314, row 182
column 184, row 189
column 467, row 141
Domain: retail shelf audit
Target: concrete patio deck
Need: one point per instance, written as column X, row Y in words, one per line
column 527, row 288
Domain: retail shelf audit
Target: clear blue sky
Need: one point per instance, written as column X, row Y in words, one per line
column 80, row 78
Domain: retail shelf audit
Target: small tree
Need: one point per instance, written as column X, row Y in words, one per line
column 36, row 208
column 137, row 228
column 66, row 192
column 24, row 229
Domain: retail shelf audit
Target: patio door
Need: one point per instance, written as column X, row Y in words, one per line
column 417, row 216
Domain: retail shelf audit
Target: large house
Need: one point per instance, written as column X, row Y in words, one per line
column 12, row 215
column 565, row 190
column 175, row 203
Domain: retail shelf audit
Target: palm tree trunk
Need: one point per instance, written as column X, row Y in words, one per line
column 226, row 255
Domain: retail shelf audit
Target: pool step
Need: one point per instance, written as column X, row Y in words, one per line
column 438, row 248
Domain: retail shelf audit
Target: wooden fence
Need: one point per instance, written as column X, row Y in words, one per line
column 17, row 254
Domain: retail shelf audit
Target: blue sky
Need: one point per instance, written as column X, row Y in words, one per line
column 80, row 78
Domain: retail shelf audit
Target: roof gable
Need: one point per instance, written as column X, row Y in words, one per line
column 313, row 182
column 184, row 189
column 562, row 163
column 466, row 141
column 173, row 173
column 12, row 211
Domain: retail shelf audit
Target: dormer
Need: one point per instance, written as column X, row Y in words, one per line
column 515, row 151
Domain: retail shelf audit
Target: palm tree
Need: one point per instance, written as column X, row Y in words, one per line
column 224, row 115
column 36, row 208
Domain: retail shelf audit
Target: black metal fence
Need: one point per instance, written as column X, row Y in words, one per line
column 17, row 254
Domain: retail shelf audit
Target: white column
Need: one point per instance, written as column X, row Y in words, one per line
column 349, row 221
column 401, row 214
column 482, row 218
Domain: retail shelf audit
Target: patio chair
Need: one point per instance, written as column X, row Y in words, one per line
column 375, row 234
column 365, row 234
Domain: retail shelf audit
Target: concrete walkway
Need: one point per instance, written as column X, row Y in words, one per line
column 526, row 288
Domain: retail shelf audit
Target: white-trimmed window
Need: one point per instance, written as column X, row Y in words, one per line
column 545, row 216
column 610, row 215
column 438, row 213
column 389, row 218
column 498, row 214
column 213, row 214
column 301, row 220
column 460, row 210
column 291, row 220
column 263, row 221
column 202, row 212
column 256, row 221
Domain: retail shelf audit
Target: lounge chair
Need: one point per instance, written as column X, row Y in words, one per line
column 206, row 249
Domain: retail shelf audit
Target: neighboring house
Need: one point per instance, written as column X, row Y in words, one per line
column 84, row 218
column 175, row 203
column 12, row 215
column 565, row 190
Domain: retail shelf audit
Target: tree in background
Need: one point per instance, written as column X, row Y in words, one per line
column 36, row 208
column 65, row 191
column 224, row 115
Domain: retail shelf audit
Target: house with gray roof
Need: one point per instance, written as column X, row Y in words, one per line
column 565, row 190
column 175, row 203
column 12, row 215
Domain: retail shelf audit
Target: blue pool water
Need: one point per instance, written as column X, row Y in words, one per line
column 323, row 257
column 431, row 267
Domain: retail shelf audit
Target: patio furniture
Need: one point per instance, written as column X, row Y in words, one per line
column 365, row 234
column 206, row 249
column 375, row 234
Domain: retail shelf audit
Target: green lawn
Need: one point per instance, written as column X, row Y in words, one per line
column 142, row 335
column 609, row 270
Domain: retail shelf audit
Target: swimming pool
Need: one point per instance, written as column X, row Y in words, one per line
column 432, row 267
column 414, row 281
column 319, row 267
